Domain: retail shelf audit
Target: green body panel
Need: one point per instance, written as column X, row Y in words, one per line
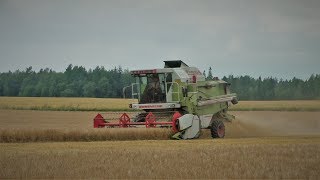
column 211, row 109
column 205, row 91
column 200, row 91
column 176, row 95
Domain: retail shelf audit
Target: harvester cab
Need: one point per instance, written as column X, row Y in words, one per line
column 182, row 98
column 165, row 88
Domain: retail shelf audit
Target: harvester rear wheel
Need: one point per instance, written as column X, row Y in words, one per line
column 217, row 129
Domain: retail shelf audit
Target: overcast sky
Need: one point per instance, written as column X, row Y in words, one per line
column 279, row 38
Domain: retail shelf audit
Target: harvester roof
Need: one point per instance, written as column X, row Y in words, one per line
column 174, row 64
column 181, row 70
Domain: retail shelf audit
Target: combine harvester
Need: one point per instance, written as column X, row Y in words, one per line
column 177, row 96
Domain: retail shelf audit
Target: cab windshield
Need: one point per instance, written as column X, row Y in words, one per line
column 151, row 88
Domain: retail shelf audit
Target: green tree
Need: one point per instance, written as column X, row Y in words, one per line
column 89, row 89
column 204, row 74
column 67, row 93
column 210, row 76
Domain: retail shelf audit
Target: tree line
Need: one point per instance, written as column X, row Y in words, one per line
column 76, row 81
column 248, row 88
column 270, row 88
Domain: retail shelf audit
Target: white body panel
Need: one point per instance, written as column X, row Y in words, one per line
column 185, row 121
column 206, row 120
column 191, row 125
column 156, row 106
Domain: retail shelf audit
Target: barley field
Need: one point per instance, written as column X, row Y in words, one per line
column 43, row 138
column 65, row 104
column 245, row 158
column 45, row 126
column 114, row 104
column 297, row 105
column 58, row 135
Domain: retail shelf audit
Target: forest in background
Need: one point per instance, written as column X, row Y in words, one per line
column 76, row 81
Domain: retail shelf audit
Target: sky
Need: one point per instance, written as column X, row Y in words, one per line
column 269, row 38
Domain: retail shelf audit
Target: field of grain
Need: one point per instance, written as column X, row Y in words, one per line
column 258, row 144
column 298, row 105
column 111, row 104
column 26, row 126
column 65, row 104
column 246, row 158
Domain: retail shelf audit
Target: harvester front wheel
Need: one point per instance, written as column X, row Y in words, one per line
column 217, row 129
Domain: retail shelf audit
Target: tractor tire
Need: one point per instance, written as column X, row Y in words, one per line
column 217, row 129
